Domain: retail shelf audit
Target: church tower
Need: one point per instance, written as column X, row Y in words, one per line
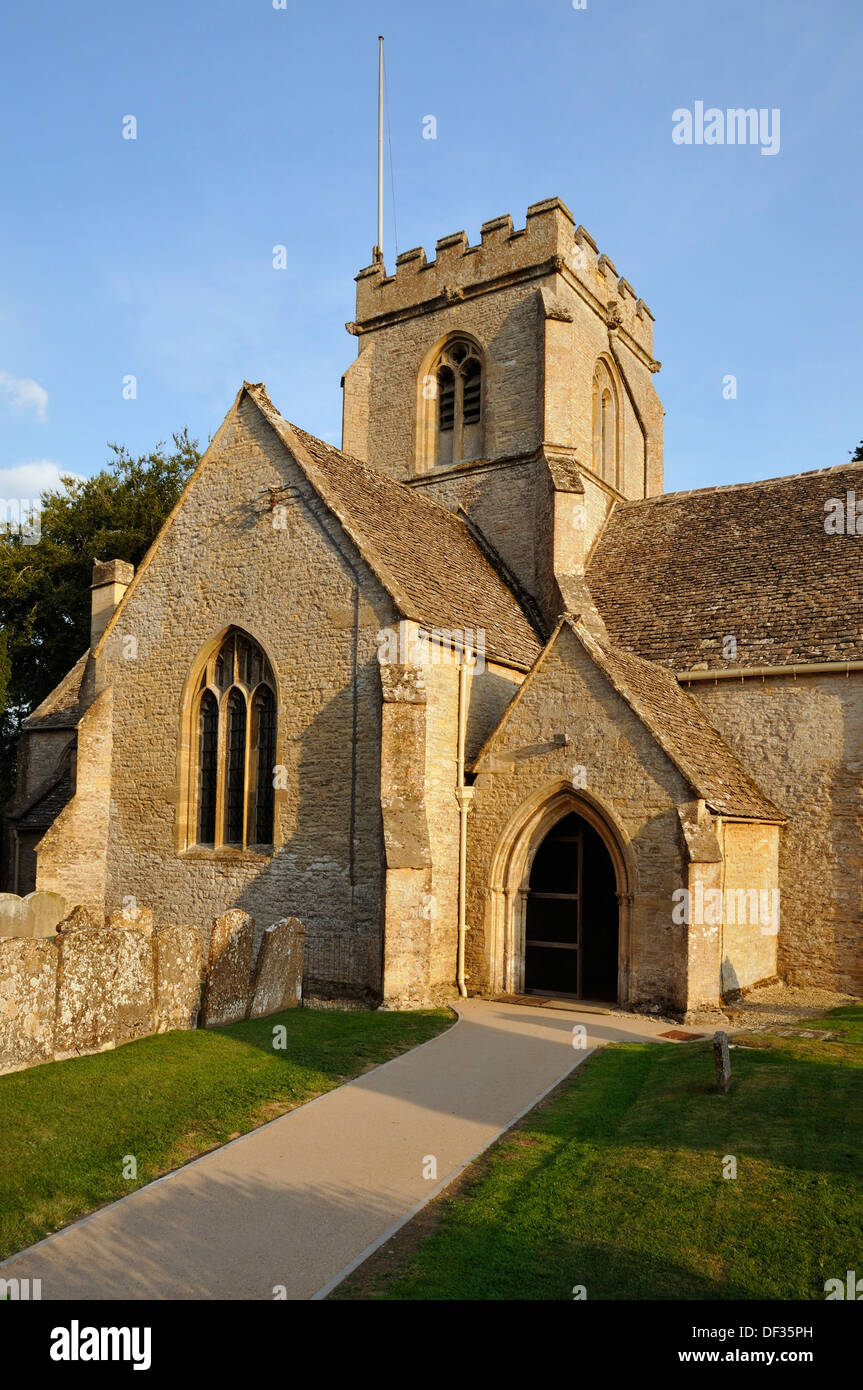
column 513, row 381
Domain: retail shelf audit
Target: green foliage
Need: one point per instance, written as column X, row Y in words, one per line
column 5, row 669
column 45, row 587
column 857, row 455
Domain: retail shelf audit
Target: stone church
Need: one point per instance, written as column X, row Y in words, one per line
column 472, row 696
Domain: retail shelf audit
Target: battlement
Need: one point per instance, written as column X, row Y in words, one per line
column 548, row 244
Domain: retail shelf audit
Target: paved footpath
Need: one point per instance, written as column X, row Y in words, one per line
column 301, row 1201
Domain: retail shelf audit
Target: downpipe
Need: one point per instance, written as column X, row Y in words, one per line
column 464, row 796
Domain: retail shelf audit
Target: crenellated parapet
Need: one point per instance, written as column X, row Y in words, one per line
column 549, row 244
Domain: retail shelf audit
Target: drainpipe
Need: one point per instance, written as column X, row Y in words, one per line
column 464, row 797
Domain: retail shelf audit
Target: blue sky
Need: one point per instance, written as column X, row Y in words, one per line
column 257, row 127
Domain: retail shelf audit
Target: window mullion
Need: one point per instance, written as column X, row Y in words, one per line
column 221, row 769
column 458, row 423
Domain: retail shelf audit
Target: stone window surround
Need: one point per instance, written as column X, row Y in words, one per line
column 427, row 446
column 201, row 678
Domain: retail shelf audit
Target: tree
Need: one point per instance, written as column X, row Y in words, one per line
column 45, row 587
column 857, row 454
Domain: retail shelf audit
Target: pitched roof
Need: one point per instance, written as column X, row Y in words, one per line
column 674, row 719
column 62, row 708
column 681, row 728
column 50, row 800
column 423, row 554
column 674, row 575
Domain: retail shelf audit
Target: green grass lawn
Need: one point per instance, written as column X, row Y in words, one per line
column 66, row 1127
column 615, row 1183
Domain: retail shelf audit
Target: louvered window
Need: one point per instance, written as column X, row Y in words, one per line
column 472, row 377
column 459, row 392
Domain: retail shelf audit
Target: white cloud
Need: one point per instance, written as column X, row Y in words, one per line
column 30, row 479
column 24, row 394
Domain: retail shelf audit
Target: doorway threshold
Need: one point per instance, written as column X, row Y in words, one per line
column 556, row 1001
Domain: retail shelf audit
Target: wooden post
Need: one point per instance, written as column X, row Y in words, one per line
column 722, row 1058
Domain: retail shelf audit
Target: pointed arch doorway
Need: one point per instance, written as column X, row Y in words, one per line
column 571, row 915
column 562, row 888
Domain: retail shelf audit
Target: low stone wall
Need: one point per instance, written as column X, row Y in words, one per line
column 96, row 984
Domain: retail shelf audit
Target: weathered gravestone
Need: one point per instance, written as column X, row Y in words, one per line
column 229, row 968
column 14, row 915
column 46, row 911
column 80, row 919
column 722, row 1058
column 179, row 959
column 105, row 987
column 28, row 987
column 132, row 916
column 278, row 982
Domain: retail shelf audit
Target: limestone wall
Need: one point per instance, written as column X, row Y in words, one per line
column 71, row 856
column 300, row 590
column 752, row 915
column 803, row 741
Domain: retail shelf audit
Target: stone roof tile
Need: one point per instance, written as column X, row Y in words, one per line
column 423, row 554
column 676, row 574
column 62, row 708
column 680, row 726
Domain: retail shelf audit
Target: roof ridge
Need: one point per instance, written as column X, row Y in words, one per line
column 660, row 497
column 445, row 572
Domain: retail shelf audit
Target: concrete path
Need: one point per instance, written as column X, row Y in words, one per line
column 303, row 1200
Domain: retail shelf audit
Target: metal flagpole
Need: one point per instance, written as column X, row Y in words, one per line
column 378, row 253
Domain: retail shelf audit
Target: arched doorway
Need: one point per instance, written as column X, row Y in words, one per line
column 603, row 882
column 571, row 917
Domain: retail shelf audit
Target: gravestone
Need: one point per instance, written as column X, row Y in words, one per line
column 80, row 919
column 28, row 986
column 105, row 987
column 14, row 915
column 137, row 916
column 278, row 982
column 46, row 910
column 229, row 968
column 179, row 959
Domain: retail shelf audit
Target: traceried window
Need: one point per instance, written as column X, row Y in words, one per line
column 234, row 710
column 606, row 425
column 458, row 379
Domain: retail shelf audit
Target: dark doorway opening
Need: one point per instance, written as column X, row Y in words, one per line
column 572, row 915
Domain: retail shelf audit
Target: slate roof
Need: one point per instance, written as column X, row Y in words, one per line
column 681, row 728
column 423, row 554
column 671, row 716
column 41, row 812
column 62, row 708
column 674, row 575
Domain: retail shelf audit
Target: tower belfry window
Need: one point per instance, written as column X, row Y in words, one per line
column 457, row 377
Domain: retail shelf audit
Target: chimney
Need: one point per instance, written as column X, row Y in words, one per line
column 111, row 579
